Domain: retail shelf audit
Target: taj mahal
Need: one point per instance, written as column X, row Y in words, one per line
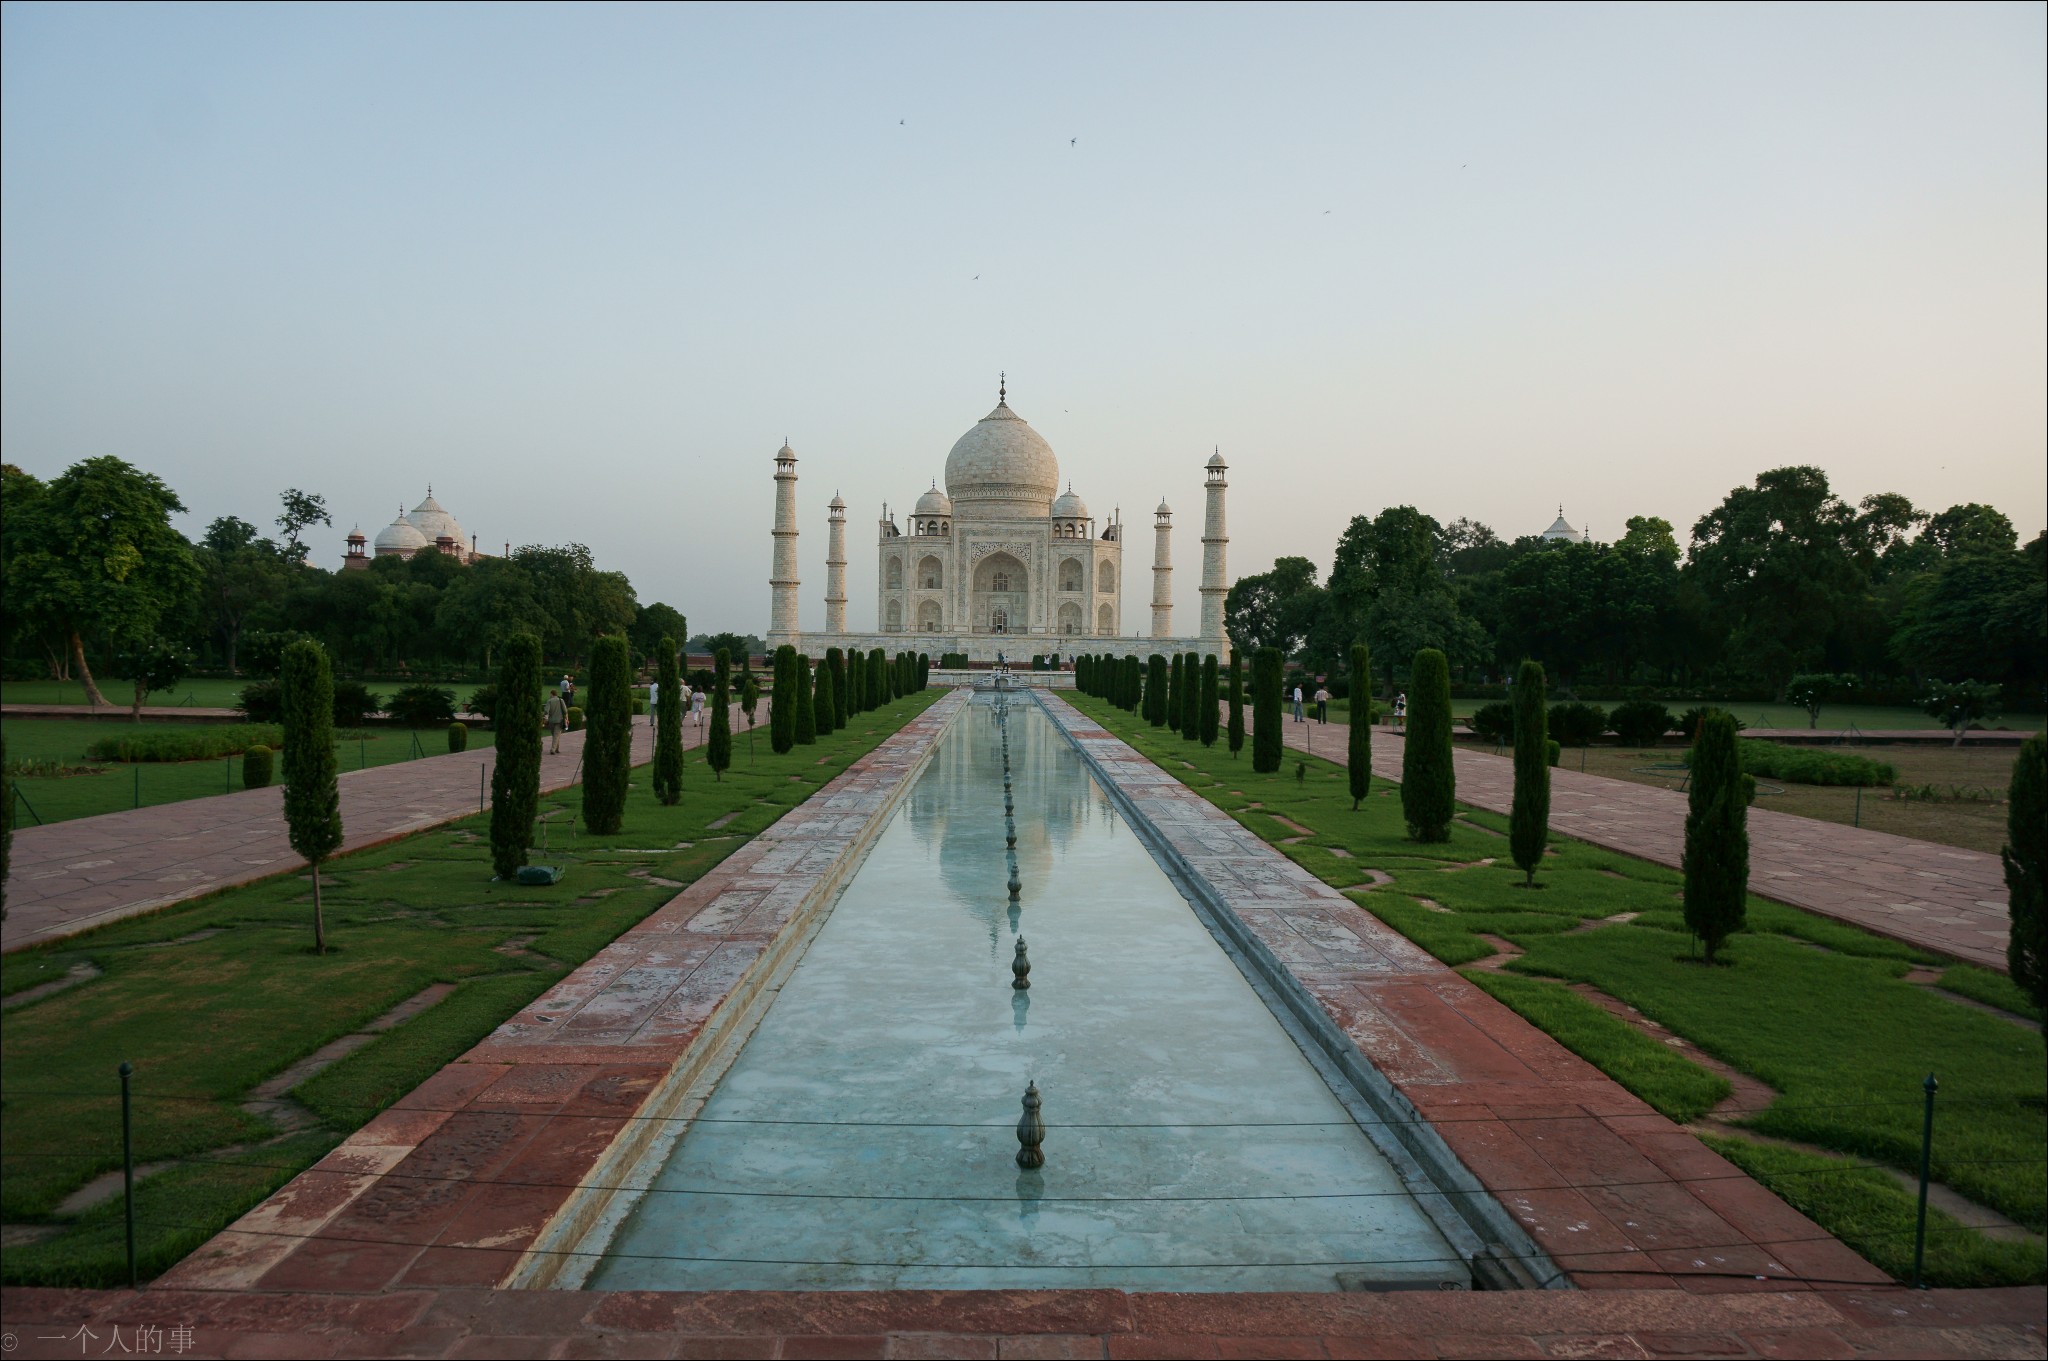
column 1000, row 562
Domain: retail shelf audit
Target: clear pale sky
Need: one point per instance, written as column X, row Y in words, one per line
column 584, row 268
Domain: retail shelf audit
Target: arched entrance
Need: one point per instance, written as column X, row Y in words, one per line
column 1001, row 595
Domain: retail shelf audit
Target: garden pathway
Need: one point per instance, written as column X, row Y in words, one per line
column 71, row 876
column 1940, row 897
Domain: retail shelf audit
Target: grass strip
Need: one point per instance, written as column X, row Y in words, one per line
column 1992, row 989
column 1870, row 1211
column 1673, row 1084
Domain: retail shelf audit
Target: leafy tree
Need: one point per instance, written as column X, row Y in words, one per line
column 1267, row 664
column 2025, row 856
column 608, row 741
column 1958, row 704
column 741, row 646
column 1716, row 859
column 656, row 626
column 1811, row 690
column 95, row 554
column 1358, row 752
column 1529, row 814
column 150, row 664
column 1428, row 781
column 1207, row 729
column 312, row 796
column 1155, row 691
column 1980, row 611
column 668, row 722
column 718, row 747
column 240, row 575
column 515, row 778
column 481, row 607
column 1272, row 609
column 302, row 510
column 1236, row 704
column 577, row 602
column 782, row 702
column 750, row 698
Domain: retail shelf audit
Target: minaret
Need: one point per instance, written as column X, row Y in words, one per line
column 782, row 583
column 835, row 569
column 1214, row 586
column 1162, row 572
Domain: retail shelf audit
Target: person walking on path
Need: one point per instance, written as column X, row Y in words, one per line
column 1322, row 703
column 1401, row 712
column 556, row 716
column 1298, row 718
column 653, row 701
column 697, row 706
column 568, row 689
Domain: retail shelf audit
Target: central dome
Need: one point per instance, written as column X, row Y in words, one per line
column 1002, row 467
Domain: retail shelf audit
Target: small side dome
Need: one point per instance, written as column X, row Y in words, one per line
column 1216, row 460
column 1164, row 509
column 400, row 537
column 934, row 502
column 1069, row 506
column 836, row 503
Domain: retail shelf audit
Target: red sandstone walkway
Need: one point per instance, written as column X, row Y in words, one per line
column 1942, row 898
column 1051, row 1323
column 71, row 876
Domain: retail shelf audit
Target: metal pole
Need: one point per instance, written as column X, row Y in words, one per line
column 128, row 1167
column 479, row 786
column 1859, row 806
column 138, row 784
column 1926, row 1153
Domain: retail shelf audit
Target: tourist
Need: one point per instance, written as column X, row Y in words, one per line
column 697, row 706
column 653, row 702
column 568, row 688
column 1401, row 712
column 557, row 718
column 1298, row 718
column 1322, row 702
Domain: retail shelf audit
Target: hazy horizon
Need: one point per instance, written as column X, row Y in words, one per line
column 585, row 269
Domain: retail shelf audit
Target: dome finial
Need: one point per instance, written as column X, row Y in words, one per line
column 1002, row 389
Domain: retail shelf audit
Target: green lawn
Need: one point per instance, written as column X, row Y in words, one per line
column 209, row 999
column 116, row 786
column 1815, row 1008
column 204, row 692
column 1869, row 717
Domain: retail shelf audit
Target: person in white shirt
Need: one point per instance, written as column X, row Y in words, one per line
column 653, row 703
column 1298, row 718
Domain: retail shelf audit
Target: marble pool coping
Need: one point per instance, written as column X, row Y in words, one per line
column 1612, row 1192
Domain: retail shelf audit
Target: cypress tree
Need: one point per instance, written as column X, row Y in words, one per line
column 1358, row 755
column 312, row 799
column 515, row 779
column 878, row 679
column 750, row 695
column 1266, row 720
column 924, row 670
column 1191, row 698
column 1176, row 690
column 1081, row 669
column 6, row 826
column 1716, row 858
column 857, row 682
column 1209, row 701
column 668, row 726
column 822, row 690
column 1155, row 690
column 608, row 741
column 806, row 704
column 718, row 746
column 782, row 702
column 1134, row 684
column 1529, row 815
column 887, row 680
column 2025, row 855
column 1236, row 703
column 832, row 672
column 1429, row 784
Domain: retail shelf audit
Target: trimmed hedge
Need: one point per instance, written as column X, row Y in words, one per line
column 196, row 744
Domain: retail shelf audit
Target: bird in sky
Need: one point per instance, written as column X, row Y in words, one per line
column 1326, row 212
column 1073, row 141
column 976, row 277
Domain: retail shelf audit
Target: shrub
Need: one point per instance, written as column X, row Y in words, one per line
column 1428, row 782
column 1809, row 765
column 1266, row 719
column 312, row 799
column 574, row 715
column 2025, row 856
column 668, row 727
column 1529, row 814
column 515, row 779
column 256, row 767
column 1494, row 722
column 354, row 702
column 701, row 679
column 1716, row 860
column 422, row 706
column 1640, row 722
column 262, row 701
column 608, row 750
column 1554, row 752
column 458, row 737
column 193, row 744
column 639, row 707
column 483, row 700
column 1960, row 704
column 1815, row 689
column 1575, row 724
column 1358, row 756
column 1689, row 721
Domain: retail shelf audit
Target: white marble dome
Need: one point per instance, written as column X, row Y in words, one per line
column 1069, row 506
column 934, row 502
column 401, row 537
column 434, row 523
column 1002, row 467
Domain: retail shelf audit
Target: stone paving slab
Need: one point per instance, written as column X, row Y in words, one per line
column 71, row 876
column 454, row 1183
column 1572, row 1154
column 1941, row 898
column 453, row 1321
